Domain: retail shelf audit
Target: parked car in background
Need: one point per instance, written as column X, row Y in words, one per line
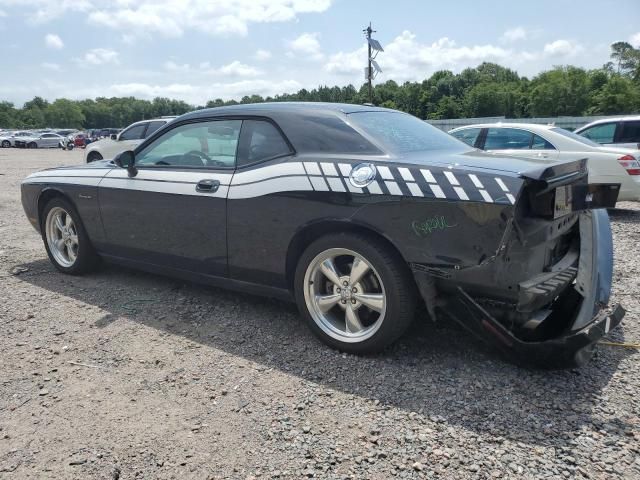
column 44, row 140
column 620, row 132
column 547, row 143
column 9, row 140
column 127, row 139
column 355, row 212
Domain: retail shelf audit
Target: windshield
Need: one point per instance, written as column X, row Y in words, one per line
column 576, row 137
column 402, row 133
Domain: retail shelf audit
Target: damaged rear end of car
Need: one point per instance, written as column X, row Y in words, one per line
column 543, row 298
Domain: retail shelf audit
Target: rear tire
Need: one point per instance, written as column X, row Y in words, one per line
column 65, row 239
column 355, row 292
column 32, row 145
column 93, row 157
column 6, row 144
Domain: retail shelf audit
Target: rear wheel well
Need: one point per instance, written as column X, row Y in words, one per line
column 94, row 156
column 309, row 234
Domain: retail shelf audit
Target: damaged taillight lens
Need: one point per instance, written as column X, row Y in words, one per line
column 630, row 164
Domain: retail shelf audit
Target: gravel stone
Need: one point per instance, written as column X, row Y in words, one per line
column 174, row 380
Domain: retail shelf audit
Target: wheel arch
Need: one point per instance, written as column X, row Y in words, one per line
column 311, row 232
column 46, row 195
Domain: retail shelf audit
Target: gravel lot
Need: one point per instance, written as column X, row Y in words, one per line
column 121, row 374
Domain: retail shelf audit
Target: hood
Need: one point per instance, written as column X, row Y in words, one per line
column 478, row 161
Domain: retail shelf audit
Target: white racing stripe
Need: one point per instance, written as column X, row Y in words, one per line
column 80, row 172
column 173, row 188
column 451, row 177
column 406, row 174
column 374, row 188
column 428, row 176
column 335, row 184
column 486, row 196
column 385, row 173
column 172, row 175
column 461, row 193
column 437, row 191
column 345, row 169
column 312, row 168
column 267, row 187
column 511, row 198
column 476, row 181
column 393, row 187
column 502, row 185
column 89, row 182
column 265, row 173
column 329, row 169
column 415, row 189
column 319, row 184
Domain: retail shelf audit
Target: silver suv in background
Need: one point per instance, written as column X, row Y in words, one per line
column 620, row 132
column 127, row 139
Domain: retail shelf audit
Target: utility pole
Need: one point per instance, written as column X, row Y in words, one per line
column 369, row 31
column 372, row 66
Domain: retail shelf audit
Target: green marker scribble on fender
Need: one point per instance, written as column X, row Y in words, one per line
column 424, row 228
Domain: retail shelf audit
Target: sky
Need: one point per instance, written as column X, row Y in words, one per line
column 198, row 50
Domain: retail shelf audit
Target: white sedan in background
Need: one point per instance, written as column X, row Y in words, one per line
column 607, row 164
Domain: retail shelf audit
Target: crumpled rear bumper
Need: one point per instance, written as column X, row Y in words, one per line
column 590, row 319
column 571, row 349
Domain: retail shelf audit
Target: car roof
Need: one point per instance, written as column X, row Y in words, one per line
column 283, row 108
column 529, row 126
column 628, row 118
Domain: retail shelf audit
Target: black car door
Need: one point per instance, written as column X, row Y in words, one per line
column 172, row 213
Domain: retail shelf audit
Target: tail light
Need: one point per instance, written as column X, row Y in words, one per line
column 630, row 164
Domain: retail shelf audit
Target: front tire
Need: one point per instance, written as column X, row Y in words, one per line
column 65, row 239
column 6, row 144
column 32, row 145
column 355, row 292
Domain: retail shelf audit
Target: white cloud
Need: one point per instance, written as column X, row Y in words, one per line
column 100, row 56
column 262, row 55
column 306, row 45
column 50, row 66
column 233, row 69
column 407, row 59
column 172, row 18
column 192, row 93
column 635, row 40
column 562, row 48
column 42, row 11
column 238, row 69
column 3, row 13
column 52, row 40
column 514, row 34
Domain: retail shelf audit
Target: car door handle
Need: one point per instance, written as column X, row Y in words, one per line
column 208, row 185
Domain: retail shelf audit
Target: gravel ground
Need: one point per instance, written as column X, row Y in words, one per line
column 120, row 374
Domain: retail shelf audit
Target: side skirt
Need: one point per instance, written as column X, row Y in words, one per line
column 222, row 282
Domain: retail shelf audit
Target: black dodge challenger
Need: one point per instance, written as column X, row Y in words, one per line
column 359, row 214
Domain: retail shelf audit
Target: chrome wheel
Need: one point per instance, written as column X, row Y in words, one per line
column 62, row 236
column 344, row 295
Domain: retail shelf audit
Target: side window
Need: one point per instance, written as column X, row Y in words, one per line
column 48, row 135
column 134, row 133
column 201, row 144
column 260, row 140
column 468, row 135
column 153, row 126
column 630, row 132
column 507, row 139
column 540, row 143
column 600, row 133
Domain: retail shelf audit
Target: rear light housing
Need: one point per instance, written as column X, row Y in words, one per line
column 630, row 164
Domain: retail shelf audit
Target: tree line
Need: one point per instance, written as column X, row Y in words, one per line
column 484, row 91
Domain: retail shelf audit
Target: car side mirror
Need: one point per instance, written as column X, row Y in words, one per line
column 114, row 136
column 127, row 159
